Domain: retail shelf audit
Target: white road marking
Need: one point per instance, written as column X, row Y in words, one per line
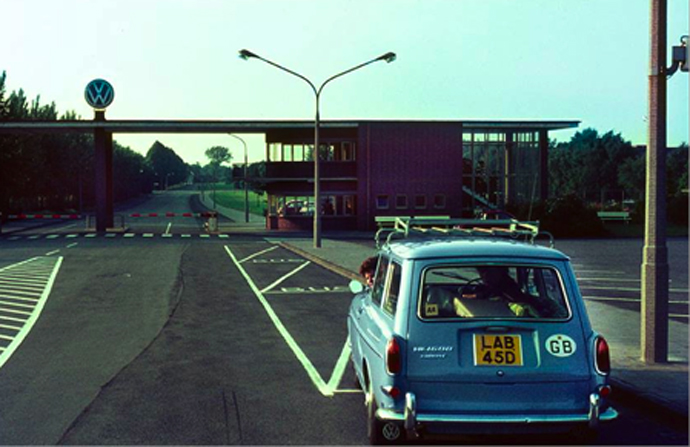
column 71, row 236
column 608, row 279
column 52, row 236
column 128, row 235
column 148, row 235
column 167, row 230
column 624, row 300
column 309, row 290
column 629, row 289
column 284, row 277
column 90, row 235
column 611, row 272
column 72, row 245
column 327, row 389
column 50, row 267
column 50, row 253
column 32, row 300
column 277, row 261
column 167, row 235
column 259, row 253
column 223, row 236
column 186, row 235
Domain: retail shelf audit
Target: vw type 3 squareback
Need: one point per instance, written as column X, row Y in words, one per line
column 472, row 327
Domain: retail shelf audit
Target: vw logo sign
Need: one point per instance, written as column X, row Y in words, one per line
column 99, row 94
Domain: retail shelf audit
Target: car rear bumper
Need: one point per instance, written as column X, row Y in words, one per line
column 412, row 419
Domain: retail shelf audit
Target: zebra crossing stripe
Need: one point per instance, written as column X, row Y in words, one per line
column 44, row 268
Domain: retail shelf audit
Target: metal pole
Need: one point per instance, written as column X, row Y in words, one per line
column 317, row 179
column 654, row 321
column 246, row 191
column 388, row 57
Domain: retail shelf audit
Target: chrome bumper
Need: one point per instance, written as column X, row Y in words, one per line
column 411, row 419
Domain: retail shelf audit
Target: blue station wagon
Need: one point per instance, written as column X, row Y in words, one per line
column 474, row 330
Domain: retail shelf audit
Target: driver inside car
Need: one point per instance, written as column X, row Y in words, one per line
column 500, row 284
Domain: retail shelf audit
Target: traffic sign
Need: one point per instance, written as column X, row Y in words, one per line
column 99, row 94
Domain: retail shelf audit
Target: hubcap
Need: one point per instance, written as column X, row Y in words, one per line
column 391, row 431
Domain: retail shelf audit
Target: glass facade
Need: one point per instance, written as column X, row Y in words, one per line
column 330, row 151
column 499, row 168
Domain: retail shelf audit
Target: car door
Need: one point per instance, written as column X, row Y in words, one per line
column 370, row 324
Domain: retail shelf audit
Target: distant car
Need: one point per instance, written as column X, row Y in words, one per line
column 471, row 334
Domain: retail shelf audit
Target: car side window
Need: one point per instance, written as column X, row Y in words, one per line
column 379, row 280
column 390, row 304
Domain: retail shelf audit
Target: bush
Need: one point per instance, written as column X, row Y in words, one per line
column 566, row 216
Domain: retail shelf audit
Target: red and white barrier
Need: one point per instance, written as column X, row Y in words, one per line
column 204, row 214
column 43, row 216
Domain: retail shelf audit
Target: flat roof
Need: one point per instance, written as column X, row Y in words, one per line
column 253, row 126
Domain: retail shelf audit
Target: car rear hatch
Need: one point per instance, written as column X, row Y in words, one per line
column 490, row 361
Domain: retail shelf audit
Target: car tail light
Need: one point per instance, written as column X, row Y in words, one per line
column 393, row 356
column 602, row 358
column 605, row 391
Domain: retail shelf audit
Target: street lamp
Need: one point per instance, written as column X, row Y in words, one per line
column 388, row 57
column 246, row 193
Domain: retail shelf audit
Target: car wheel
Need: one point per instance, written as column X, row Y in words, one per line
column 380, row 432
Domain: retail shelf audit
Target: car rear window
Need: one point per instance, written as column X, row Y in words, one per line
column 492, row 291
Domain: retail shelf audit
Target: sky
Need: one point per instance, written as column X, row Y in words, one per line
column 585, row 60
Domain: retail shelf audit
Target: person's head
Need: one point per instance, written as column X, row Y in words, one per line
column 493, row 275
column 368, row 269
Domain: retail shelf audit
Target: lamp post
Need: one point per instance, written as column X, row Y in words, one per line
column 388, row 57
column 246, row 192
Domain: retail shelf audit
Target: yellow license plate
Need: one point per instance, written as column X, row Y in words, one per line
column 497, row 350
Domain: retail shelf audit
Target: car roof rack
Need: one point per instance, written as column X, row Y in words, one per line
column 406, row 227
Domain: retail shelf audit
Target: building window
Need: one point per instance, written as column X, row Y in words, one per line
column 382, row 202
column 349, row 203
column 287, row 152
column 347, row 151
column 420, row 201
column 401, row 201
column 439, row 201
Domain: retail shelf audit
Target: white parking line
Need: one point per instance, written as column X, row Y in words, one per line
column 624, row 300
column 167, row 230
column 628, row 289
column 259, row 253
column 327, row 389
column 284, row 277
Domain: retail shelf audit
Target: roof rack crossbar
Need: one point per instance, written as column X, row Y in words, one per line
column 405, row 227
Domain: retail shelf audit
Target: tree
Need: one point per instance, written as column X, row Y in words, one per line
column 588, row 164
column 217, row 156
column 167, row 166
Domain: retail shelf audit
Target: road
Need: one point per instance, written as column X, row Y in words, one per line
column 186, row 339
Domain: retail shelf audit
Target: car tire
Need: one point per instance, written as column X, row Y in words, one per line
column 380, row 432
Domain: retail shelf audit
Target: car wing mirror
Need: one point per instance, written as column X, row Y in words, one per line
column 356, row 287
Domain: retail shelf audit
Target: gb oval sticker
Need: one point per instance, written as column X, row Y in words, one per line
column 560, row 345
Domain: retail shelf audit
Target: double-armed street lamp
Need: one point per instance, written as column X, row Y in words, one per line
column 246, row 193
column 388, row 57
